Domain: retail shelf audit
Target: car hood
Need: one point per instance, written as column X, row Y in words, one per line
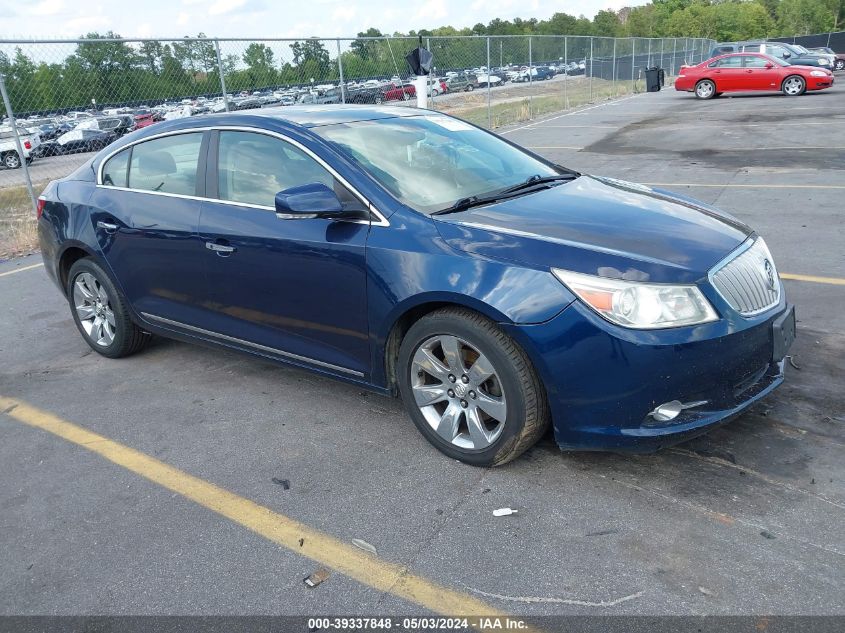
column 600, row 226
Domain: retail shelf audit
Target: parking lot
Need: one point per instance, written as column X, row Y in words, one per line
column 226, row 480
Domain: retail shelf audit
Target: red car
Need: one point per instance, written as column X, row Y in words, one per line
column 143, row 120
column 744, row 72
column 393, row 92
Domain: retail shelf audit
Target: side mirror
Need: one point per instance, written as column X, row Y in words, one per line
column 769, row 65
column 787, row 55
column 314, row 200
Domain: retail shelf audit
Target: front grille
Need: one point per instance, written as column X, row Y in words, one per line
column 749, row 281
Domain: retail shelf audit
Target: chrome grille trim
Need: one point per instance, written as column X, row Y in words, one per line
column 743, row 281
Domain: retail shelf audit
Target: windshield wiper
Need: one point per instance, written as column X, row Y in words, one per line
column 508, row 192
column 466, row 203
column 537, row 179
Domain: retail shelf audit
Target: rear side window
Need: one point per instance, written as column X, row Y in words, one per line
column 253, row 168
column 732, row 61
column 166, row 165
column 116, row 169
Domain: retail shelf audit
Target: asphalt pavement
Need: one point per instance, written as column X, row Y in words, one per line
column 745, row 520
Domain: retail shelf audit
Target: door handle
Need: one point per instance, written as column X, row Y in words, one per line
column 108, row 227
column 220, row 249
column 749, row 71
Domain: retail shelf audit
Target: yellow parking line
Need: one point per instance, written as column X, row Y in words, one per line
column 836, row 281
column 20, row 270
column 289, row 533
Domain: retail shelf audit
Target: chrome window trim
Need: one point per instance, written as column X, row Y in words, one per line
column 257, row 346
column 737, row 252
column 378, row 220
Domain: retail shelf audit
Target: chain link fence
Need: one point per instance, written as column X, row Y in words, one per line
column 69, row 98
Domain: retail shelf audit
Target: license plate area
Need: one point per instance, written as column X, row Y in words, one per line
column 783, row 334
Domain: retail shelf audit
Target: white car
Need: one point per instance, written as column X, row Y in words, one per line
column 9, row 156
column 485, row 79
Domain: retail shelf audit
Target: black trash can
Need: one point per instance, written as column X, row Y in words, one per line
column 654, row 78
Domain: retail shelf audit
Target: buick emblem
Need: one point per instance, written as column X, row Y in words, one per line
column 770, row 274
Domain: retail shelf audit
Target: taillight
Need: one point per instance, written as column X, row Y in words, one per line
column 39, row 208
column 27, row 145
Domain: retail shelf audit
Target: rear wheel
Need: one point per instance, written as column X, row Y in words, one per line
column 100, row 312
column 469, row 88
column 470, row 389
column 793, row 86
column 705, row 89
column 11, row 160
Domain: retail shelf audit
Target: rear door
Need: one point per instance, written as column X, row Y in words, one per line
column 728, row 73
column 758, row 76
column 289, row 288
column 145, row 213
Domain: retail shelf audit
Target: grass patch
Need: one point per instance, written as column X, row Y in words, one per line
column 18, row 226
column 565, row 96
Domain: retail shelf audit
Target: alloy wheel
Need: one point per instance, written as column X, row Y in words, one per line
column 793, row 86
column 458, row 392
column 840, row 64
column 704, row 89
column 94, row 309
column 12, row 161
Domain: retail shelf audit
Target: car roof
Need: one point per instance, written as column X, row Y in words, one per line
column 331, row 114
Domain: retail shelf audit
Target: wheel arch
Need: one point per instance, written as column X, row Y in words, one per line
column 71, row 254
column 409, row 313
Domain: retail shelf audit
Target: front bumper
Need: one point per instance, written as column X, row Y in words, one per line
column 602, row 381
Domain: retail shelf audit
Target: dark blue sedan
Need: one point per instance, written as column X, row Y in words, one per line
column 417, row 255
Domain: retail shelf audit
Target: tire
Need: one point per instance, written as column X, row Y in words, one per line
column 90, row 291
column 406, row 96
column 493, row 370
column 793, row 86
column 11, row 160
column 839, row 64
column 470, row 88
column 705, row 89
column 379, row 100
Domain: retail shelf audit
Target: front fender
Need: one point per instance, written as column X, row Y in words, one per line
column 411, row 265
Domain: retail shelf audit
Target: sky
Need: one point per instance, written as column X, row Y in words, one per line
column 43, row 19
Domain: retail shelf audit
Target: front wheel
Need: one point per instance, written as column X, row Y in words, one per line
column 839, row 65
column 793, row 86
column 705, row 89
column 469, row 88
column 470, row 389
column 100, row 312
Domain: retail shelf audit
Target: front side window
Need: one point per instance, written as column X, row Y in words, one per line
column 753, row 61
column 116, row 169
column 252, row 168
column 429, row 162
column 166, row 165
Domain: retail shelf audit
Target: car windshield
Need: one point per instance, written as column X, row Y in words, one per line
column 430, row 162
column 800, row 48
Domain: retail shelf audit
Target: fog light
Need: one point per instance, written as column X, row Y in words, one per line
column 668, row 411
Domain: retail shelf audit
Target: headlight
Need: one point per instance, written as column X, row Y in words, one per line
column 818, row 73
column 824, row 61
column 639, row 305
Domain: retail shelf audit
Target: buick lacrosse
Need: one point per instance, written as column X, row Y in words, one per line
column 414, row 254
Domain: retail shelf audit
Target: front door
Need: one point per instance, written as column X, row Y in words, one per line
column 758, row 76
column 289, row 288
